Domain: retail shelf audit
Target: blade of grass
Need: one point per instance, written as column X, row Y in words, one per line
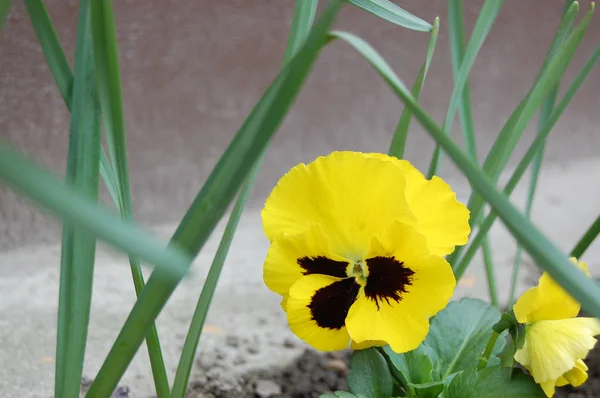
column 4, row 7
column 111, row 100
column 527, row 159
column 55, row 56
column 550, row 73
column 120, row 194
column 213, row 199
column 487, row 16
column 552, row 260
column 304, row 14
column 390, row 12
column 457, row 51
column 537, row 163
column 77, row 262
column 398, row 143
column 587, row 239
column 77, row 210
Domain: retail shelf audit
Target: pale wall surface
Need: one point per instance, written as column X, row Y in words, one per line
column 193, row 70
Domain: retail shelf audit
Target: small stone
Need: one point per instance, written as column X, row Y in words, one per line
column 338, row 365
column 232, row 341
column 289, row 343
column 220, row 354
column 239, row 360
column 86, row 382
column 253, row 349
column 121, row 392
column 262, row 321
column 266, row 388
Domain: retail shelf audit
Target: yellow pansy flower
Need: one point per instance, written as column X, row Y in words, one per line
column 556, row 342
column 356, row 250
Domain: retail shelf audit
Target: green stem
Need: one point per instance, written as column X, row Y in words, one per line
column 483, row 361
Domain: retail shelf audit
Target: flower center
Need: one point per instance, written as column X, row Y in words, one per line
column 359, row 271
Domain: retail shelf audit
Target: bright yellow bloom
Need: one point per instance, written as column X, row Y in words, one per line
column 556, row 342
column 356, row 250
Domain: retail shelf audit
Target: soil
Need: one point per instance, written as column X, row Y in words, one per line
column 313, row 374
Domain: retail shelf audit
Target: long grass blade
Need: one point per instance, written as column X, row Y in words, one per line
column 304, row 15
column 583, row 289
column 387, row 10
column 536, row 167
column 109, row 86
column 532, row 151
column 213, row 199
column 120, row 194
column 587, row 239
column 77, row 210
column 398, row 144
column 55, row 56
column 457, row 51
column 549, row 75
column 4, row 7
column 487, row 16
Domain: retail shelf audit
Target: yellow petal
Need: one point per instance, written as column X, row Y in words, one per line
column 351, row 196
column 433, row 282
column 367, row 344
column 401, row 319
column 442, row 219
column 316, row 309
column 578, row 375
column 290, row 256
column 548, row 387
column 554, row 347
column 547, row 300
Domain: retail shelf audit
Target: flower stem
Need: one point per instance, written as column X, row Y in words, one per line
column 488, row 350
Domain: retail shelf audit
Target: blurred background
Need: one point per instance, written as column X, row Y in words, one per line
column 192, row 71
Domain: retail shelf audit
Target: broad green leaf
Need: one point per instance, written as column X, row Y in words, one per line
column 526, row 160
column 369, row 374
column 460, row 332
column 398, row 143
column 79, row 246
column 587, row 239
column 487, row 16
column 416, row 366
column 339, row 394
column 77, row 210
column 304, row 15
column 214, row 198
column 493, row 382
column 387, row 10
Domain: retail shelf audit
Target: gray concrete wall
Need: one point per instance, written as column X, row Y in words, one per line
column 193, row 70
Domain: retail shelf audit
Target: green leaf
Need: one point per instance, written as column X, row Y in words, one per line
column 4, row 7
column 389, row 11
column 549, row 75
column 460, row 332
column 339, row 394
column 77, row 210
column 78, row 246
column 493, row 382
column 588, row 237
column 475, row 242
column 369, row 374
column 487, row 16
column 55, row 56
column 304, row 14
column 416, row 366
column 109, row 87
column 214, row 198
column 398, row 143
